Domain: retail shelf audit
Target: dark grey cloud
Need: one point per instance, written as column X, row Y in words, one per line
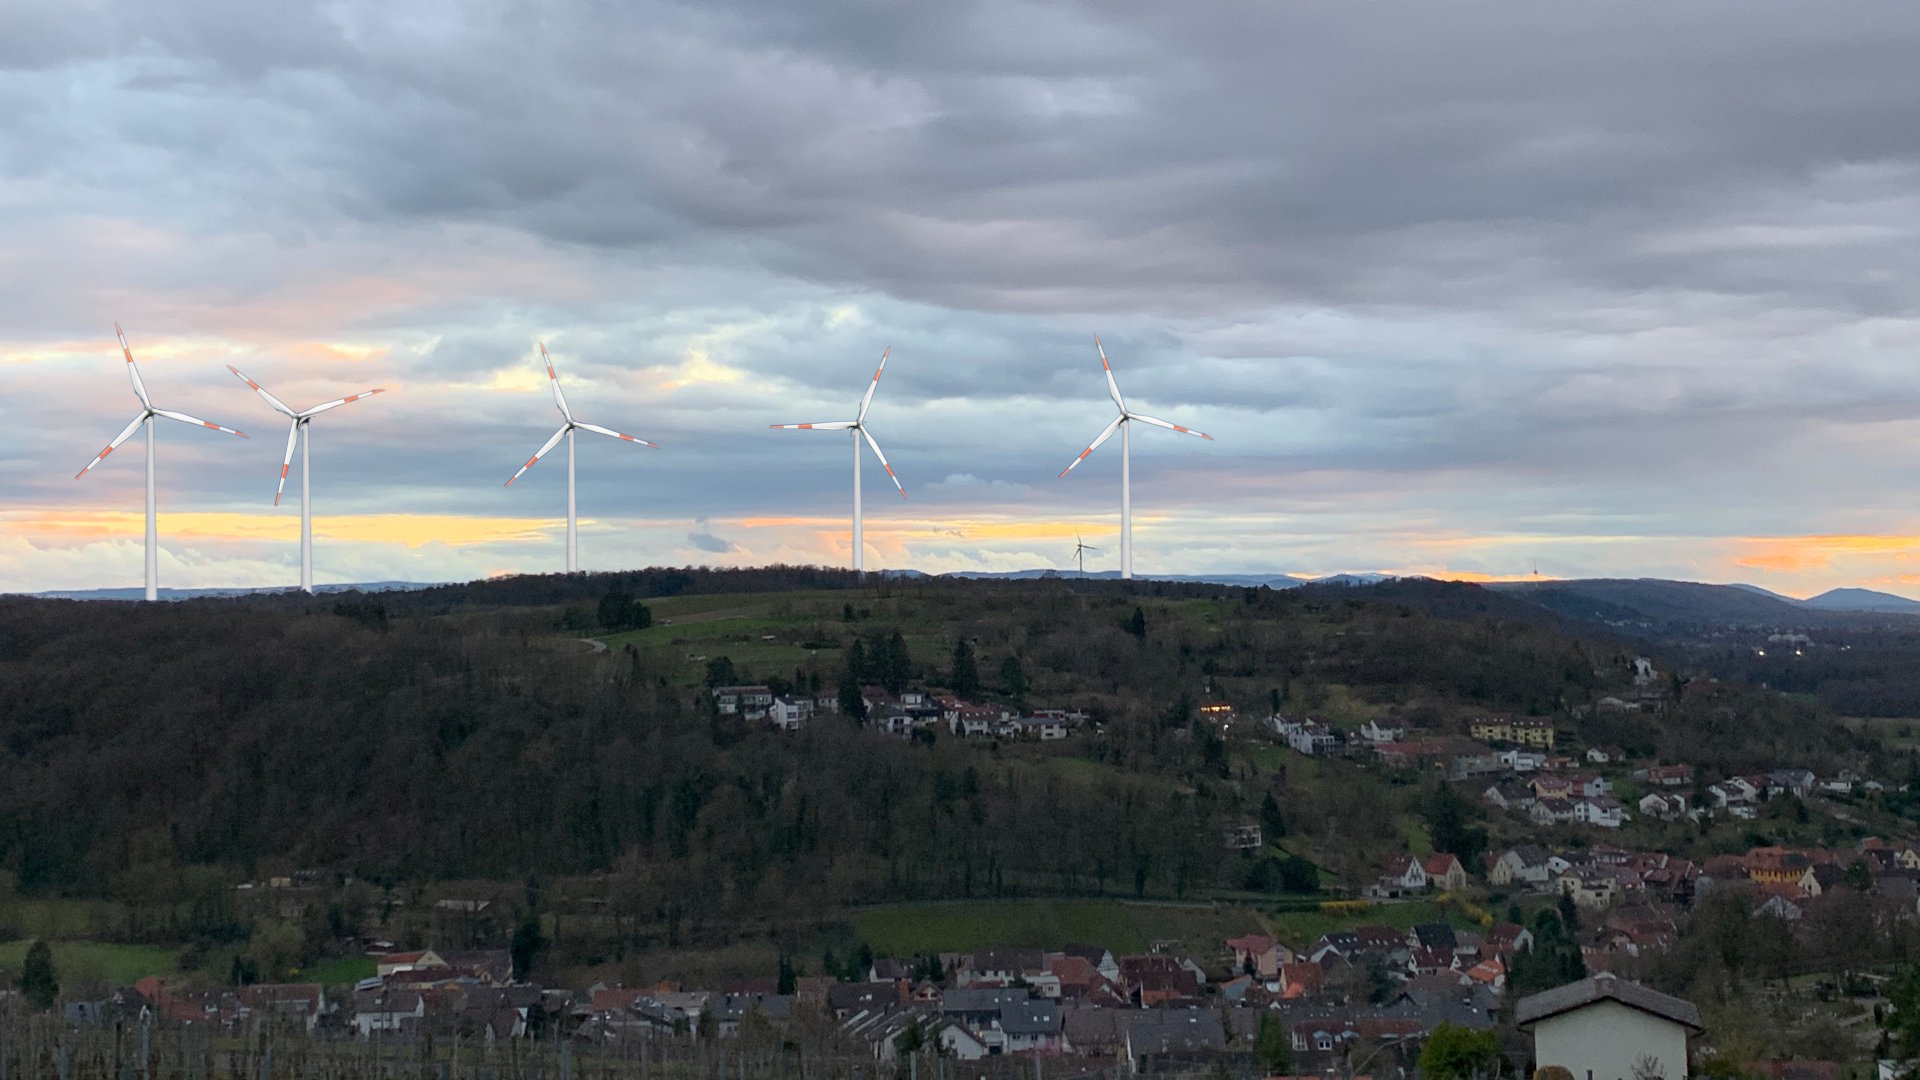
column 1596, row 260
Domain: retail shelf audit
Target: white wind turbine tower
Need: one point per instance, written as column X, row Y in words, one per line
column 147, row 413
column 1123, row 422
column 566, row 430
column 1080, row 550
column 857, row 425
column 294, row 433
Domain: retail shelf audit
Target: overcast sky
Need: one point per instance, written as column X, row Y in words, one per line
column 1466, row 289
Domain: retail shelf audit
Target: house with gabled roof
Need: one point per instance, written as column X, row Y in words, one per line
column 1523, row 864
column 1264, row 953
column 1404, row 874
column 1443, row 871
column 1157, row 979
column 1609, row 1027
column 1101, row 958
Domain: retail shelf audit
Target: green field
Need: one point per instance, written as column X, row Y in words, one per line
column 84, row 962
column 1125, row 928
column 1299, row 928
column 342, row 972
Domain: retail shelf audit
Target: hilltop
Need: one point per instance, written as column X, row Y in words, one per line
column 552, row 743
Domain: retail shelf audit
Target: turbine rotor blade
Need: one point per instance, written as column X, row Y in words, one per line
column 874, row 385
column 133, row 370
column 293, row 436
column 598, row 430
column 114, row 445
column 1112, row 387
column 197, row 422
column 837, row 425
column 277, row 404
column 1095, row 445
column 883, row 462
column 337, row 402
column 1170, row 427
column 553, row 376
column 540, row 453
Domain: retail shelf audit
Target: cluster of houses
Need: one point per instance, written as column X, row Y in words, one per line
column 1515, row 757
column 1529, row 742
column 1561, row 798
column 1156, row 1012
column 901, row 714
column 472, row 993
column 1786, row 882
column 1143, row 1012
column 1594, row 877
column 1159, row 1010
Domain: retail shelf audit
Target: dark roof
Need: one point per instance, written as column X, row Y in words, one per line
column 1197, row 1030
column 1030, row 1018
column 860, row 995
column 980, row 1000
column 1435, row 935
column 1017, row 961
column 1605, row 987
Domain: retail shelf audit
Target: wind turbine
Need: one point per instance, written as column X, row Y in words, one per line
column 1123, row 422
column 566, row 430
column 147, row 413
column 857, row 425
column 1080, row 550
column 294, row 433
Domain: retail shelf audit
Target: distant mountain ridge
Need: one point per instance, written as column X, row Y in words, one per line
column 1651, row 602
column 1618, row 602
column 1862, row 600
column 1272, row 581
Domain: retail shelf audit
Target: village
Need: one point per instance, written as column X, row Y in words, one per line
column 1250, row 1003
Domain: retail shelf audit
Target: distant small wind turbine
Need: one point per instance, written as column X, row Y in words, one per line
column 857, row 425
column 1123, row 422
column 294, row 432
column 147, row 413
column 1080, row 550
column 566, row 430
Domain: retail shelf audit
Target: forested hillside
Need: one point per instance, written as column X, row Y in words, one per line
column 161, row 752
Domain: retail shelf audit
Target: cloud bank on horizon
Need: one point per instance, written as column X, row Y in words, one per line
column 1606, row 291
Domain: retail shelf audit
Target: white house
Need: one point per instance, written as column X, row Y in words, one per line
column 386, row 1010
column 790, row 714
column 751, row 702
column 1376, row 732
column 1043, row 728
column 1664, row 807
column 1525, row 864
column 1604, row 811
column 1732, row 791
column 973, row 720
column 1311, row 737
column 1404, row 875
column 1523, row 761
column 1607, row 1028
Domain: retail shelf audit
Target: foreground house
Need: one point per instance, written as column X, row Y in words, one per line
column 1607, row 1028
